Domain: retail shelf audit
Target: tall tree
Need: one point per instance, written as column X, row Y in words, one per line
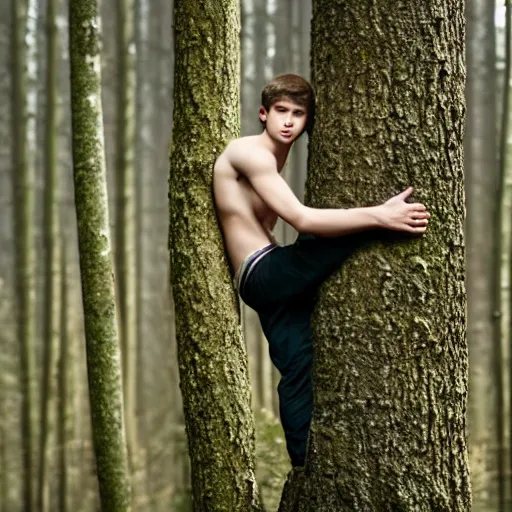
column 102, row 342
column 126, row 236
column 51, row 270
column 480, row 154
column 391, row 358
column 211, row 353
column 23, row 205
column 64, row 374
column 503, row 266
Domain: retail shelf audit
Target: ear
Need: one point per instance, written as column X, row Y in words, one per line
column 262, row 114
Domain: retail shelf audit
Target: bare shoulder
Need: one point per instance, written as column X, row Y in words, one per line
column 248, row 155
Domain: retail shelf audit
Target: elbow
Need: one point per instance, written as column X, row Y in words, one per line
column 302, row 222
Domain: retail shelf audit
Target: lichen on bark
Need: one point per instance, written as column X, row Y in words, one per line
column 390, row 374
column 102, row 342
column 211, row 352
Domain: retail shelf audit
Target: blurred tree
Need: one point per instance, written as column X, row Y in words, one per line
column 102, row 343
column 125, row 227
column 211, row 353
column 23, row 135
column 480, row 159
column 51, row 319
column 391, row 359
column 64, row 410
column 503, row 268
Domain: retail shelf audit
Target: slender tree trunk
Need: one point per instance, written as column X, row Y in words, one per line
column 51, row 272
column 503, row 268
column 125, row 215
column 64, row 376
column 211, row 352
column 102, row 342
column 481, row 185
column 23, row 204
column 391, row 359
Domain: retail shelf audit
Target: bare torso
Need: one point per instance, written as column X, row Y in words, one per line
column 246, row 220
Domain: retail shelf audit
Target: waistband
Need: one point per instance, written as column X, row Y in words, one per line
column 249, row 263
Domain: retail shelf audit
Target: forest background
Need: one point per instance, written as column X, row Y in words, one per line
column 275, row 38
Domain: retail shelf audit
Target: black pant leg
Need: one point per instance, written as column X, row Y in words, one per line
column 288, row 331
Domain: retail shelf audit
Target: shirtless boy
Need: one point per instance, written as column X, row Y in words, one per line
column 279, row 282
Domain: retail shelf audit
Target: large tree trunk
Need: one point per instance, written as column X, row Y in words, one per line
column 211, row 353
column 391, row 358
column 23, row 205
column 102, row 342
column 481, row 185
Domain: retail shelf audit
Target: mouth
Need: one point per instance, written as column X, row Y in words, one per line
column 286, row 134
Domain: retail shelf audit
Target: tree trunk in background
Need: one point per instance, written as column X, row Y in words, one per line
column 23, row 204
column 503, row 269
column 391, row 359
column 126, row 236
column 64, row 410
column 211, row 352
column 51, row 272
column 103, row 356
column 247, row 66
column 3, row 463
column 481, row 185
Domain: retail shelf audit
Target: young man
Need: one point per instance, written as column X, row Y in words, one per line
column 280, row 282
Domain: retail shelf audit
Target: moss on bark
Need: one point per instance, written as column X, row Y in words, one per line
column 211, row 352
column 391, row 358
column 102, row 342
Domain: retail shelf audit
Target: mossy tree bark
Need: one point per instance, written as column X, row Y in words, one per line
column 391, row 358
column 211, row 352
column 102, row 341
column 23, row 206
column 485, row 397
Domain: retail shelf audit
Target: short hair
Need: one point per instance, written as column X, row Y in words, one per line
column 296, row 89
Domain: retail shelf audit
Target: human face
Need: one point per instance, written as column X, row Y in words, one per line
column 285, row 121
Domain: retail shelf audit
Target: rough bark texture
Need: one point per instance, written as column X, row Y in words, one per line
column 481, row 184
column 391, row 358
column 211, row 352
column 102, row 343
column 23, row 206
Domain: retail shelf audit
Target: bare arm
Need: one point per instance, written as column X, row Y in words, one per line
column 395, row 214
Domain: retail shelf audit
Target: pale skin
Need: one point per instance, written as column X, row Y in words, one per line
column 250, row 193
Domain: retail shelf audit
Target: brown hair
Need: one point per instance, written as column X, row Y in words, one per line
column 296, row 89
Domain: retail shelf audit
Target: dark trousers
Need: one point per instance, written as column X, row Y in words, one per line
column 281, row 288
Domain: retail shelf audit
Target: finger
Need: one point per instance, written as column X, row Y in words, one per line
column 420, row 215
column 416, row 229
column 417, row 207
column 417, row 222
column 405, row 194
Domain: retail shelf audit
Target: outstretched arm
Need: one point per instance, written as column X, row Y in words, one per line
column 395, row 214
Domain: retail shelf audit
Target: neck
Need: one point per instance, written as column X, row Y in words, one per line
column 279, row 150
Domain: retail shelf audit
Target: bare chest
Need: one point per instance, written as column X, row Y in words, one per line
column 260, row 209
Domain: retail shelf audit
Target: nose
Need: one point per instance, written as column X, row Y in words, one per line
column 288, row 121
